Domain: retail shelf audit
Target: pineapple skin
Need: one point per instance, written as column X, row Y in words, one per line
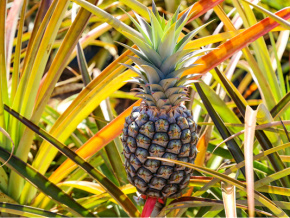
column 169, row 135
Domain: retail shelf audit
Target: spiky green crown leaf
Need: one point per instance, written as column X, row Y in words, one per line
column 161, row 58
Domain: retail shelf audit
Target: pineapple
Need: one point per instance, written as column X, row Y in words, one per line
column 161, row 126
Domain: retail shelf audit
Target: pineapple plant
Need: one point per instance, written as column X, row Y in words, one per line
column 161, row 126
column 45, row 43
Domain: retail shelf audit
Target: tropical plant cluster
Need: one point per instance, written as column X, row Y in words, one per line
column 106, row 105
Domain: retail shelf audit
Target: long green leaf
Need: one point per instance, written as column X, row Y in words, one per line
column 233, row 147
column 238, row 166
column 106, row 17
column 263, row 117
column 138, row 7
column 26, row 211
column 17, row 101
column 77, row 175
column 282, row 105
column 217, row 205
column 111, row 149
column 278, row 19
column 16, row 63
column 42, row 183
column 3, row 78
column 272, row 177
column 262, row 56
column 220, row 107
column 3, row 67
column 83, row 65
column 274, row 158
column 114, row 191
column 278, row 64
column 52, row 77
column 266, row 202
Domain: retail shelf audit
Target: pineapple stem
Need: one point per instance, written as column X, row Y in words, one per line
column 148, row 207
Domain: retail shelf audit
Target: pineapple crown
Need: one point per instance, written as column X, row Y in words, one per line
column 162, row 58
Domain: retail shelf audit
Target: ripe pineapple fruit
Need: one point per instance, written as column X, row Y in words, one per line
column 161, row 126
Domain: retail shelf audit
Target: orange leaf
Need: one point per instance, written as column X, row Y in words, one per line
column 94, row 144
column 199, row 8
column 227, row 49
column 201, row 147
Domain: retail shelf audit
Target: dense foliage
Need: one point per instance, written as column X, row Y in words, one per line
column 64, row 98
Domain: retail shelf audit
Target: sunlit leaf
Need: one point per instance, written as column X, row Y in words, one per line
column 229, row 199
column 224, row 51
column 276, row 210
column 42, row 183
column 237, row 166
column 261, row 137
column 114, row 191
column 26, row 211
column 250, row 123
column 278, row 19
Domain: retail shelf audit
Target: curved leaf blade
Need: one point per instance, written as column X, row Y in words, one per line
column 227, row 49
column 279, row 20
column 42, row 183
column 23, row 210
column 271, row 205
column 114, row 191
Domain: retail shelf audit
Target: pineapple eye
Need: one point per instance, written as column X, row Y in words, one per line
column 185, row 181
column 174, row 131
column 148, row 129
column 160, row 139
column 152, row 165
column 192, row 153
column 169, row 190
column 133, row 129
column 145, row 174
column 135, row 162
column 194, row 138
column 126, row 151
column 185, row 151
column 185, row 136
column 165, row 171
column 191, row 124
column 131, row 170
column 131, row 143
column 140, row 184
column 169, row 156
column 157, row 183
column 153, row 193
column 125, row 131
column 176, row 177
column 142, row 119
column 182, row 123
column 156, row 150
column 174, row 146
column 143, row 141
column 141, row 154
column 183, row 159
column 161, row 125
